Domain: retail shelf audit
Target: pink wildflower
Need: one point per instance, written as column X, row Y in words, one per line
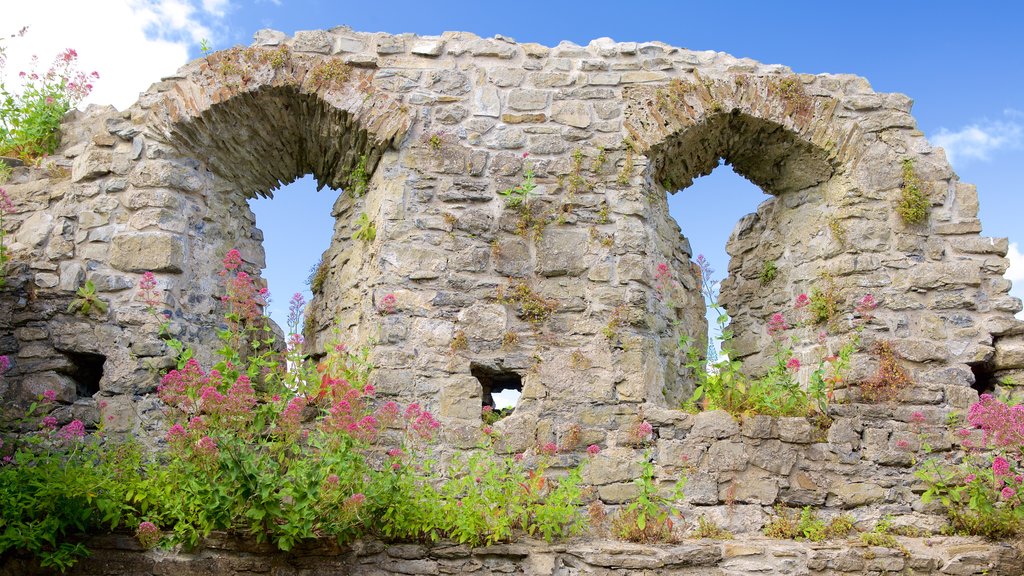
column 50, row 396
column 777, row 324
column 917, row 417
column 487, row 409
column 75, row 430
column 357, row 498
column 49, row 422
column 593, row 450
column 175, row 432
column 902, row 444
column 369, row 390
column 148, row 534
column 5, row 363
column 550, row 448
column 793, row 364
column 206, row 447
column 1000, row 466
column 396, row 453
column 332, row 479
column 519, row 457
column 232, row 260
column 969, row 478
column 801, row 301
column 6, row 206
column 387, row 305
column 1007, row 493
column 488, row 430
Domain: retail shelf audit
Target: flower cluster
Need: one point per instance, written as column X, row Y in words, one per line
column 387, row 305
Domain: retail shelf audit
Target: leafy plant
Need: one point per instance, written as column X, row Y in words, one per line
column 768, row 272
column 30, row 116
column 647, row 518
column 913, row 204
column 890, row 380
column 708, row 529
column 825, row 303
column 806, row 525
column 366, row 230
column 358, row 179
column 87, row 301
column 531, row 306
column 519, row 196
column 982, row 493
column 883, row 534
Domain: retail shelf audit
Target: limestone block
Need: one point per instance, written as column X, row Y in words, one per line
column 559, row 252
column 95, row 162
column 147, row 251
column 484, row 322
column 796, row 429
column 854, row 494
column 752, row 486
column 34, row 385
column 572, row 113
column 1009, row 353
column 727, row 455
column 613, row 464
column 35, row 229
column 714, row 424
column 528, row 100
column 774, row 456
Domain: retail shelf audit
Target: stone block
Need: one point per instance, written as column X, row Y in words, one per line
column 714, row 424
column 147, row 251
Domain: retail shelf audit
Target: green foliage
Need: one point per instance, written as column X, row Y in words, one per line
column 883, row 534
column 87, row 301
column 805, row 525
column 983, row 493
column 825, row 303
column 486, row 500
column 519, row 196
column 913, row 204
column 768, row 272
column 30, row 116
column 366, row 229
column 647, row 518
column 358, row 180
column 531, row 306
column 59, row 485
column 708, row 529
column 204, row 47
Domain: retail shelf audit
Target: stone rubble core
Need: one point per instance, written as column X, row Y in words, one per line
column 564, row 295
column 120, row 555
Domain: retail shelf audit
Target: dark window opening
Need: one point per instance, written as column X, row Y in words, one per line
column 86, row 370
column 500, row 389
column 984, row 379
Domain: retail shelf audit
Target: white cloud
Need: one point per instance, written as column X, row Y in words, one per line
column 1015, row 273
column 979, row 140
column 131, row 43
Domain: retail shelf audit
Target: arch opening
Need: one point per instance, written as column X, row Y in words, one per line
column 772, row 253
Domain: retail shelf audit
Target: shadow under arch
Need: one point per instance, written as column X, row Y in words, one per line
column 239, row 124
column 789, row 229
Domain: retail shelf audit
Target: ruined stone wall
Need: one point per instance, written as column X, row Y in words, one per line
column 122, row 556
column 423, row 134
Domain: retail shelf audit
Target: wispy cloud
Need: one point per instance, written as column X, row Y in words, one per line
column 131, row 43
column 979, row 140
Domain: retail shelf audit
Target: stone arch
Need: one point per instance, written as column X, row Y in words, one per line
column 242, row 122
column 829, row 152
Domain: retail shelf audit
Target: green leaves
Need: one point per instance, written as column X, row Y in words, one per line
column 87, row 301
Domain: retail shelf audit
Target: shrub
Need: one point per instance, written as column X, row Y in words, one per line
column 890, row 380
column 913, row 204
column 648, row 517
column 982, row 493
column 30, row 116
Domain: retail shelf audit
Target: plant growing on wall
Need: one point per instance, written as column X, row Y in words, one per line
column 87, row 302
column 366, row 230
column 30, row 114
column 913, row 203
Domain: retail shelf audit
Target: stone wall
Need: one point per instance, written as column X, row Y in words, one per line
column 122, row 556
column 423, row 133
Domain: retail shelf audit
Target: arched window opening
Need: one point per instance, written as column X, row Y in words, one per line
column 297, row 226
column 707, row 213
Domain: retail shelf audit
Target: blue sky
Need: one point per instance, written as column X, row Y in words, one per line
column 961, row 62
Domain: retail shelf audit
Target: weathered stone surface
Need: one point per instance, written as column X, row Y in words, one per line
column 147, row 252
column 423, row 133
